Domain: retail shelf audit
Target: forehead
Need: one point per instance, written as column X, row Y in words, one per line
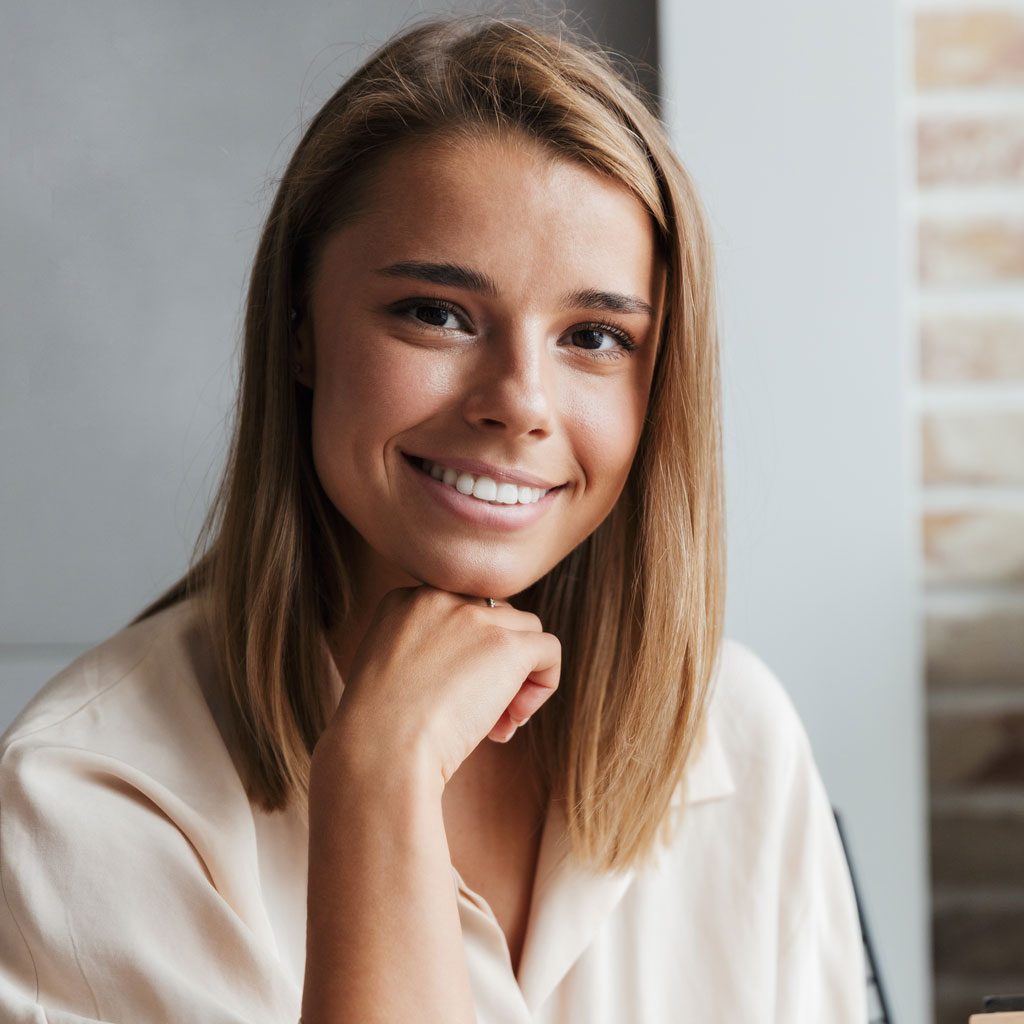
column 530, row 218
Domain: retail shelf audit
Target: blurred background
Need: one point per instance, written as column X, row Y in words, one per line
column 863, row 168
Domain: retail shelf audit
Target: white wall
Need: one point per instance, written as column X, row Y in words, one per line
column 788, row 116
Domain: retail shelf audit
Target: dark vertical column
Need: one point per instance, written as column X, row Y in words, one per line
column 629, row 28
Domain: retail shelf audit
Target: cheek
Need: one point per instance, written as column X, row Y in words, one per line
column 367, row 392
column 362, row 380
column 606, row 430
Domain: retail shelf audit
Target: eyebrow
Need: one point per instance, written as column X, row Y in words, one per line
column 456, row 276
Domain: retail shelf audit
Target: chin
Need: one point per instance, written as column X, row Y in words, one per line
column 477, row 581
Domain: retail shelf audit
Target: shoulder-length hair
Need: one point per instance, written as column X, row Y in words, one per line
column 638, row 605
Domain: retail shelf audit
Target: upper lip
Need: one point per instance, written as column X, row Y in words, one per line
column 506, row 474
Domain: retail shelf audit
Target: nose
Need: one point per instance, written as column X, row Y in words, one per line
column 512, row 389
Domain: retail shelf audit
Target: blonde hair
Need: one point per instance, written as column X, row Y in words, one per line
column 638, row 605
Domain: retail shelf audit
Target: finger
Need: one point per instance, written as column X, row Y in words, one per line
column 503, row 729
column 543, row 679
column 508, row 616
column 482, row 602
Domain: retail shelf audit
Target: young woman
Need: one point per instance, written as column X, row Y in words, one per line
column 441, row 725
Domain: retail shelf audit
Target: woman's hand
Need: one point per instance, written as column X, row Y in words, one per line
column 436, row 672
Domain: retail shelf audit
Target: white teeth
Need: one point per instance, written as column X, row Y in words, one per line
column 483, row 487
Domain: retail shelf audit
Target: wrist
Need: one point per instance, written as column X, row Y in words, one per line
column 358, row 757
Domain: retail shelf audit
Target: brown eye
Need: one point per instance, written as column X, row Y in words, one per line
column 429, row 312
column 622, row 343
column 435, row 315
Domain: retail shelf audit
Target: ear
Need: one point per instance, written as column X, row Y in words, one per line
column 302, row 350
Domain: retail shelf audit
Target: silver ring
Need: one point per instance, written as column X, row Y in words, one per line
column 491, row 603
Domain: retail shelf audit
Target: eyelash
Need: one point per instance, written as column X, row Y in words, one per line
column 626, row 343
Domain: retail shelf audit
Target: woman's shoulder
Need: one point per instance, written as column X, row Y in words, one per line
column 108, row 684
column 758, row 863
column 140, row 708
column 755, row 725
column 750, row 700
column 752, row 741
column 128, row 849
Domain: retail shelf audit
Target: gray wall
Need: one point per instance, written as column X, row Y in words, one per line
column 788, row 116
column 140, row 140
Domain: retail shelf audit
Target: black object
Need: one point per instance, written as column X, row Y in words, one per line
column 878, row 1007
column 995, row 1004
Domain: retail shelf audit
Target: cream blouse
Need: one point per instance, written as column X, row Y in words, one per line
column 140, row 885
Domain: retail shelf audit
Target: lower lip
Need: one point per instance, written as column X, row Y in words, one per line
column 473, row 510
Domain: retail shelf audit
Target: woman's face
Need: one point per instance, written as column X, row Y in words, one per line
column 474, row 315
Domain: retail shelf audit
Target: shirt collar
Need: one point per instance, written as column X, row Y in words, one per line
column 708, row 776
column 570, row 902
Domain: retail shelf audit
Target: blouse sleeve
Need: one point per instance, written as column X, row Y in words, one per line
column 821, row 973
column 110, row 914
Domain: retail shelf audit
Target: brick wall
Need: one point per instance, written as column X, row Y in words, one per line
column 967, row 113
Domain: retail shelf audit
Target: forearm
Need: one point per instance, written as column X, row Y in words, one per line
column 383, row 939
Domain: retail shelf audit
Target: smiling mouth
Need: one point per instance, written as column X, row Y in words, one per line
column 420, row 464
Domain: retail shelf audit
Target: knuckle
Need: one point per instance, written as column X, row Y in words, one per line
column 501, row 638
column 471, row 613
